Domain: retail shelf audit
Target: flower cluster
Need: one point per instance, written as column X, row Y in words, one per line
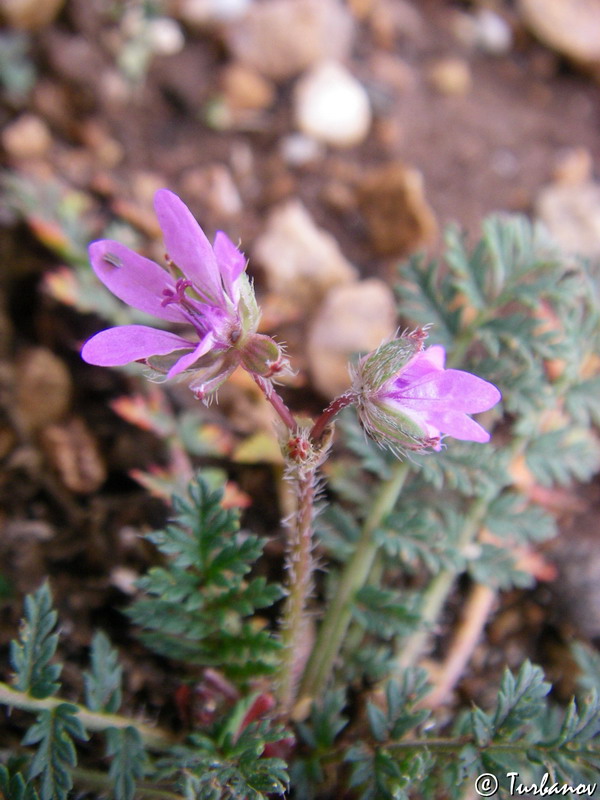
column 204, row 288
column 406, row 399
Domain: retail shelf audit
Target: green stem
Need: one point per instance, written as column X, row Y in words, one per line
column 299, row 564
column 153, row 738
column 436, row 594
column 353, row 577
column 101, row 782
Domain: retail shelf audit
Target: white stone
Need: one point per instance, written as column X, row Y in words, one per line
column 282, row 38
column 332, row 106
column 301, row 261
column 355, row 318
column 571, row 213
column 207, row 12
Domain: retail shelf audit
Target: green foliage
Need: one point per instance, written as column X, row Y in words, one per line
column 53, row 732
column 103, row 681
column 318, row 736
column 15, row 786
column 384, row 612
column 579, row 456
column 197, row 606
column 376, row 770
column 31, row 655
column 229, row 764
column 125, row 748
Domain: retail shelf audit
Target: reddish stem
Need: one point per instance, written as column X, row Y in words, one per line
column 332, row 409
column 280, row 407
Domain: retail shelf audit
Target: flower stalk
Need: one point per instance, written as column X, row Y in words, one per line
column 295, row 626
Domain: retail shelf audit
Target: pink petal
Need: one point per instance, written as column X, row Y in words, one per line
column 134, row 279
column 187, row 246
column 117, row 346
column 231, row 263
column 450, row 389
column 458, row 425
column 190, row 358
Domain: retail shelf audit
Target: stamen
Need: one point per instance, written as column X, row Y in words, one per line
column 177, row 296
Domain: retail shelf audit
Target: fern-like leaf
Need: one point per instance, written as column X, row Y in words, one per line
column 197, row 607
column 32, row 653
column 55, row 757
column 125, row 748
column 103, row 681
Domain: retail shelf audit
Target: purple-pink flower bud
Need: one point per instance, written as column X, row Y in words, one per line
column 407, row 400
column 205, row 288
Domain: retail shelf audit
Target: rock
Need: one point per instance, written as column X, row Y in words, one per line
column 73, row 453
column 450, row 76
column 202, row 13
column 282, row 38
column 353, row 319
column 398, row 217
column 43, row 388
column 29, row 15
column 27, row 137
column 301, row 261
column 572, row 27
column 573, row 165
column 391, row 20
column 571, row 212
column 164, row 36
column 484, row 30
column 332, row 106
column 246, row 89
column 215, row 185
column 298, row 150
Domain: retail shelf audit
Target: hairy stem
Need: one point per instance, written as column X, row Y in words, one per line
column 354, row 575
column 280, row 407
column 295, row 633
column 332, row 409
column 153, row 738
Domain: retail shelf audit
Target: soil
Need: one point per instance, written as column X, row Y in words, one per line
column 69, row 506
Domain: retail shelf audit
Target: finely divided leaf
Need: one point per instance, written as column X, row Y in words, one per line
column 31, row 654
column 103, row 682
column 55, row 757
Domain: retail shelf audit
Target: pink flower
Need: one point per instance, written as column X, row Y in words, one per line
column 407, row 399
column 204, row 288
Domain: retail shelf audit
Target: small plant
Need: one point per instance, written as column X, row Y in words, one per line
column 421, row 495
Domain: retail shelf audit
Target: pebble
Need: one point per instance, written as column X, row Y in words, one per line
column 571, row 213
column 246, row 89
column 282, row 38
column 30, row 15
column 27, row 137
column 485, row 30
column 43, row 388
column 571, row 27
column 392, row 201
column 332, row 106
column 300, row 261
column 215, row 185
column 298, row 150
column 201, row 13
column 573, row 165
column 354, row 318
column 450, row 76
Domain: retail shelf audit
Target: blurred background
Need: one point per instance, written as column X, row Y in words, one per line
column 332, row 139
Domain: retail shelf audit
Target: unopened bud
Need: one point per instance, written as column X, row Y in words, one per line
column 262, row 356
